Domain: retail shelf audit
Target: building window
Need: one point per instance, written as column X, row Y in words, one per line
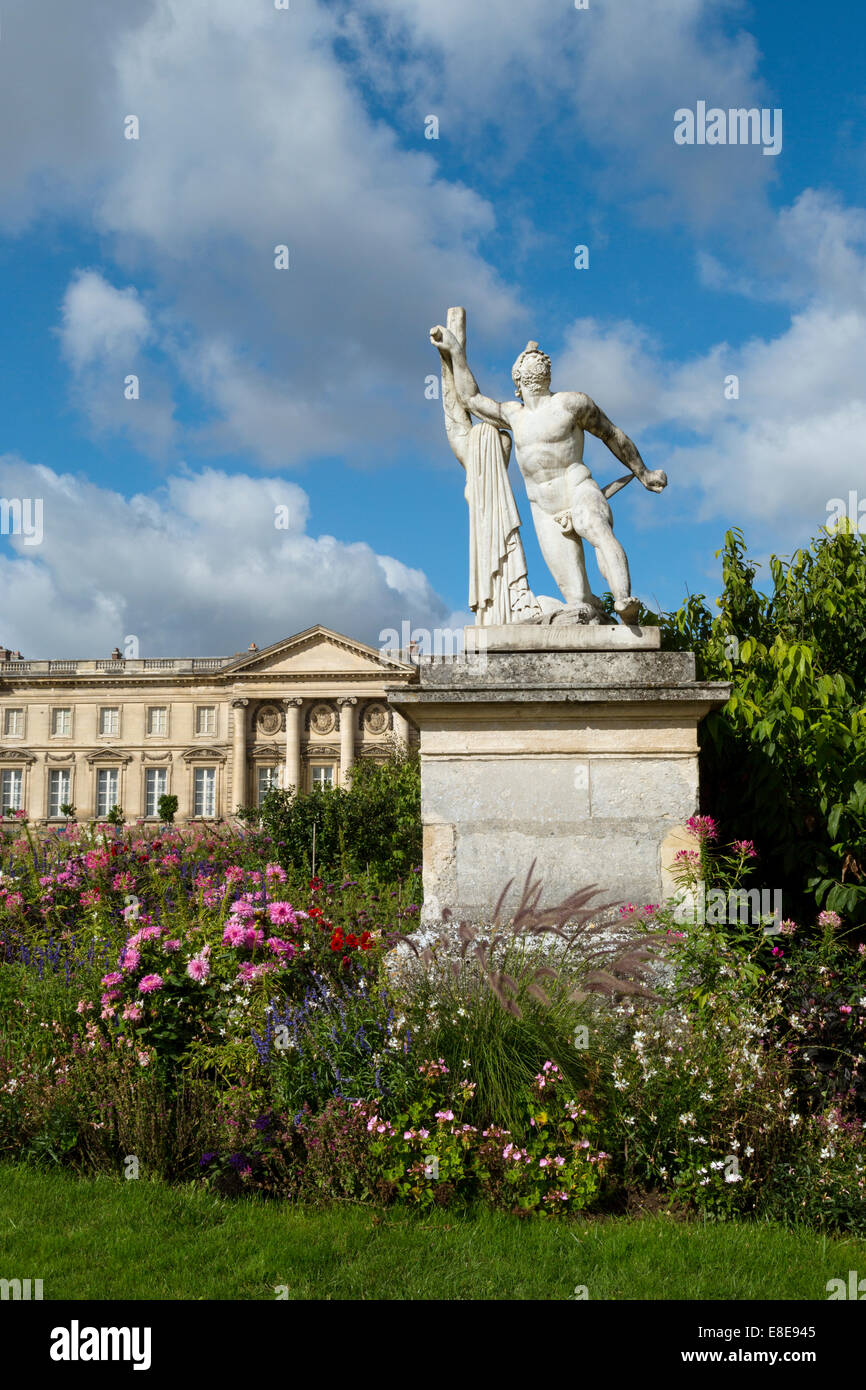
column 109, row 721
column 204, row 801
column 11, row 789
column 205, row 719
column 157, row 719
column 155, row 786
column 61, row 722
column 322, row 775
column 13, row 723
column 268, row 777
column 107, row 779
column 59, row 787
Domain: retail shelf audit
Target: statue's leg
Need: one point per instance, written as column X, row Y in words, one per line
column 593, row 520
column 563, row 556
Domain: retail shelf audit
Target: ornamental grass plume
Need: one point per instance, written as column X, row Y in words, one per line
column 604, row 969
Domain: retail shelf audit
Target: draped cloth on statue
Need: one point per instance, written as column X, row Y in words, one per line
column 497, row 564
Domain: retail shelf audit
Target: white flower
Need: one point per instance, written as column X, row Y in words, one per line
column 733, row 1177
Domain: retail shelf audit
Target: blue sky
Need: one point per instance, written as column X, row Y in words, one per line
column 305, row 387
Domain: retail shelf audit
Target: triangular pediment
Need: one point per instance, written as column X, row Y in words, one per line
column 318, row 650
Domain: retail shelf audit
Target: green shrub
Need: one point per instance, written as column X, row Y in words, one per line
column 373, row 825
column 785, row 759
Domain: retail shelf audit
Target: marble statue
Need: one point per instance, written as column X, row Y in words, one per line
column 568, row 507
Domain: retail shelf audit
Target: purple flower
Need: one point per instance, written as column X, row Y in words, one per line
column 148, row 983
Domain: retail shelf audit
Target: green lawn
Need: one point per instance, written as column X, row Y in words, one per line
column 105, row 1238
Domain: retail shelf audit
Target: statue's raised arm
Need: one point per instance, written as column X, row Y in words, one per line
column 465, row 385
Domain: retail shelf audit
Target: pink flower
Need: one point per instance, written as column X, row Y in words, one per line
column 787, row 928
column 172, row 945
column 544, row 1163
column 130, row 959
column 115, row 978
column 148, row 983
column 282, row 915
column 253, row 936
column 704, row 828
column 745, row 847
column 282, row 948
column 444, row 1115
column 233, row 934
column 829, row 919
column 844, row 1008
column 132, row 1012
column 276, row 871
column 198, row 969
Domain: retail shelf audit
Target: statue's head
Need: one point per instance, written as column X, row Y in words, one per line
column 531, row 369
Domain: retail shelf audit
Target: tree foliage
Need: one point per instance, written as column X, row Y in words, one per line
column 784, row 762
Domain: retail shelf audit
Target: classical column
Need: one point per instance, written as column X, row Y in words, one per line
column 347, row 736
column 401, row 730
column 34, row 790
column 293, row 743
column 239, row 755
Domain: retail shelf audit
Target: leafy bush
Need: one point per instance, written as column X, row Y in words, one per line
column 786, row 757
column 373, row 825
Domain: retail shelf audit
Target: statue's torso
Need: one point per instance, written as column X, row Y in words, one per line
column 548, row 444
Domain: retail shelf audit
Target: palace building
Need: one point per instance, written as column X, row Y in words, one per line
column 216, row 732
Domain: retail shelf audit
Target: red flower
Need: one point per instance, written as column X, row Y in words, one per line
column 315, row 885
column 351, row 941
column 337, row 941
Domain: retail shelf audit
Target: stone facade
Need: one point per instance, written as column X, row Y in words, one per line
column 215, row 731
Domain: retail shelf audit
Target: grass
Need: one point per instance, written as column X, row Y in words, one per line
column 104, row 1238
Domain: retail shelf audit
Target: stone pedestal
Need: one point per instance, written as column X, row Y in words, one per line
column 574, row 747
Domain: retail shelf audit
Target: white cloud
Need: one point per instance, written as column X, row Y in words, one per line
column 608, row 78
column 104, row 334
column 199, row 568
column 256, row 130
column 99, row 321
column 794, row 438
